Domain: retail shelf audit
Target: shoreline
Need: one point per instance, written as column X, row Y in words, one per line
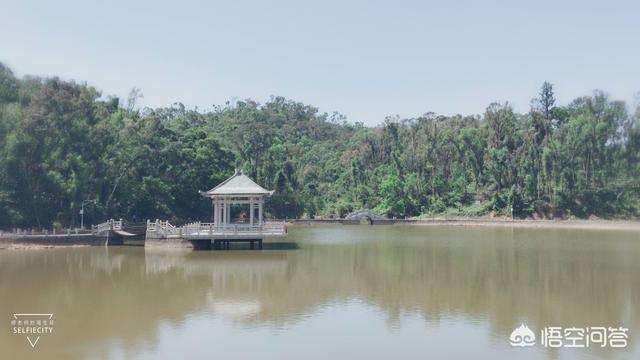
column 586, row 224
column 541, row 224
column 10, row 241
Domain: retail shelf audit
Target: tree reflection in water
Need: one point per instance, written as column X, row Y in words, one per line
column 494, row 277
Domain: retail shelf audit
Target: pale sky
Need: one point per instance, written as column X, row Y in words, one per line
column 364, row 59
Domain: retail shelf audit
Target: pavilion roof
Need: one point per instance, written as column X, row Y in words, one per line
column 238, row 184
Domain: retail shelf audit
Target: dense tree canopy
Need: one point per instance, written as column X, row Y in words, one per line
column 62, row 143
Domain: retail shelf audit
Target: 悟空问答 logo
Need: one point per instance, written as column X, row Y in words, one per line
column 522, row 336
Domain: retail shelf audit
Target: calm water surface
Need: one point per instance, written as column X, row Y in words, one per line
column 348, row 292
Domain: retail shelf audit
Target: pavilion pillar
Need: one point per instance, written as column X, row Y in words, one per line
column 223, row 212
column 251, row 212
column 217, row 213
column 260, row 213
column 227, row 213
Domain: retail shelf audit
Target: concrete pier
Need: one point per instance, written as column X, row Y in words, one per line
column 201, row 244
column 47, row 240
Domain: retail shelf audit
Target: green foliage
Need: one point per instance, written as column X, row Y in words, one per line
column 392, row 196
column 62, row 143
column 437, row 205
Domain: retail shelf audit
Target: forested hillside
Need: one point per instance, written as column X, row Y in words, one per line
column 63, row 142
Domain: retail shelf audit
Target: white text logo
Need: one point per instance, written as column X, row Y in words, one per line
column 571, row 337
column 32, row 325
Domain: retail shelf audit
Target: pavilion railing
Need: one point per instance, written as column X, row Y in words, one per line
column 164, row 228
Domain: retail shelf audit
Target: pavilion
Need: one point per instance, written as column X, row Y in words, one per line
column 238, row 189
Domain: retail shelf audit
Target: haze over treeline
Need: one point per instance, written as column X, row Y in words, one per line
column 62, row 142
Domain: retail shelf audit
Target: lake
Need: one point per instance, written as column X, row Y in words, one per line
column 344, row 292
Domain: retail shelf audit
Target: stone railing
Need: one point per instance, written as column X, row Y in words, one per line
column 164, row 229
column 106, row 226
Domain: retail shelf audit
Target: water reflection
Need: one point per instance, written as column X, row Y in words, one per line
column 123, row 298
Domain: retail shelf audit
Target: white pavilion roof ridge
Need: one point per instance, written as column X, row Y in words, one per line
column 238, row 184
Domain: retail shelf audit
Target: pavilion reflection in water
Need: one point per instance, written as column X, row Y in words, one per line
column 496, row 278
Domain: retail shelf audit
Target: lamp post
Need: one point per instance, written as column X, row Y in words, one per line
column 89, row 201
